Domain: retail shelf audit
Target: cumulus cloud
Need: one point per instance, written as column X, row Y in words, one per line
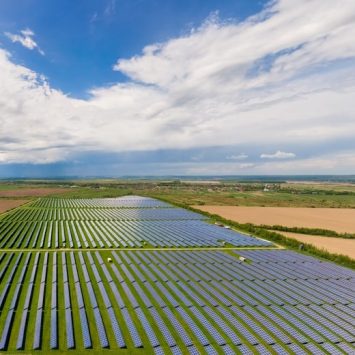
column 278, row 155
column 285, row 75
column 26, row 39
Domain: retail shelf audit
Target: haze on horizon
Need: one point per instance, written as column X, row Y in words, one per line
column 128, row 87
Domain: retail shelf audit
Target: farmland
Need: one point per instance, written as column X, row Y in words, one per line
column 341, row 220
column 134, row 275
column 333, row 245
column 6, row 205
column 28, row 192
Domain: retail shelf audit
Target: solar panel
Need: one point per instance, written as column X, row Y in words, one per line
column 85, row 329
column 54, row 330
column 163, row 328
column 193, row 327
column 137, row 341
column 147, row 328
column 69, row 329
column 38, row 330
column 178, row 327
column 6, row 330
column 116, row 329
column 22, row 331
column 101, row 329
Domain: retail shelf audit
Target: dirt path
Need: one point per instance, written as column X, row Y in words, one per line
column 341, row 220
column 6, row 205
column 333, row 245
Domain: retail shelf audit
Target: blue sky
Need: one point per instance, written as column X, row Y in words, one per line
column 84, row 39
column 121, row 87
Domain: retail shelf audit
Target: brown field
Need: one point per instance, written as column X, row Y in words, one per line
column 341, row 220
column 6, row 205
column 31, row 192
column 333, row 245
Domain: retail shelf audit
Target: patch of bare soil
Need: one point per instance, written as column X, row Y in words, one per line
column 31, row 192
column 6, row 205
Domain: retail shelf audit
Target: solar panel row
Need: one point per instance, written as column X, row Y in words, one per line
column 120, row 234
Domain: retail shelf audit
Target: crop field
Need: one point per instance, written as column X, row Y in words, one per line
column 8, row 191
column 341, row 220
column 6, row 205
column 162, row 281
column 333, row 245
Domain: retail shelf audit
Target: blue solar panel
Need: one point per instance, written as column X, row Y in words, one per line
column 54, row 296
column 214, row 333
column 129, row 295
column 79, row 296
column 22, row 331
column 193, row 327
column 163, row 328
column 185, row 337
column 85, row 329
column 116, row 329
column 92, row 296
column 41, row 296
column 234, row 338
column 67, row 302
column 54, row 330
column 38, row 330
column 6, row 330
column 137, row 341
column 147, row 328
column 101, row 329
column 69, row 329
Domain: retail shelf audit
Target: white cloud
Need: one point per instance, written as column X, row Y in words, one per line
column 342, row 163
column 240, row 156
column 26, row 39
column 246, row 165
column 278, row 155
column 211, row 87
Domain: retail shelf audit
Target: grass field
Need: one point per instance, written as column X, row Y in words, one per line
column 187, row 298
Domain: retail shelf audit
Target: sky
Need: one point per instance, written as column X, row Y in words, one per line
column 176, row 87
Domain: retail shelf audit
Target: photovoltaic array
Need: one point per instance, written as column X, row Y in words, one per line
column 115, row 223
column 200, row 300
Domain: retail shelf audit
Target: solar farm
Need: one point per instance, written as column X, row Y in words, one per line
column 135, row 275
